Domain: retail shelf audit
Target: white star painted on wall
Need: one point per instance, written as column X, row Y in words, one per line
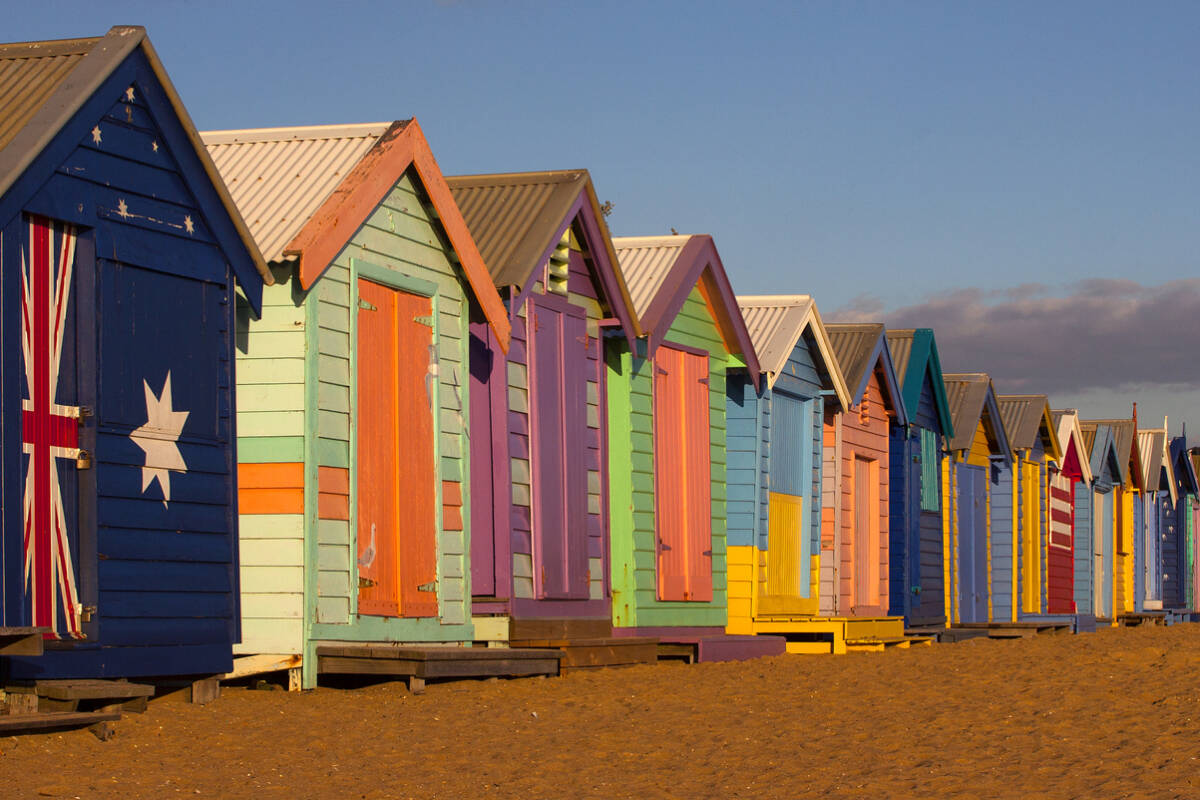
column 123, row 208
column 129, row 94
column 188, row 225
column 96, row 134
column 154, row 146
column 158, row 439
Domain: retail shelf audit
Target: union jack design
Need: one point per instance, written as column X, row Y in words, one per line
column 49, row 431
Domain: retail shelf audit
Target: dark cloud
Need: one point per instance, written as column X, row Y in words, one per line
column 1101, row 334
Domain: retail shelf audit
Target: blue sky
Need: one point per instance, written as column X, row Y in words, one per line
column 874, row 155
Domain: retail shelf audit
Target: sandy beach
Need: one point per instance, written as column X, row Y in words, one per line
column 1114, row 714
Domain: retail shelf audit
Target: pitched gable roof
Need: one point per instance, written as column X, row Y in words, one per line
column 1185, row 471
column 661, row 272
column 518, row 218
column 1152, row 445
column 861, row 351
column 307, row 191
column 44, row 84
column 972, row 398
column 1125, row 447
column 1066, row 424
column 1102, row 444
column 776, row 323
column 1027, row 420
column 915, row 355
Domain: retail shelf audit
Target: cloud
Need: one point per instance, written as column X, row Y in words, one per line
column 1101, row 334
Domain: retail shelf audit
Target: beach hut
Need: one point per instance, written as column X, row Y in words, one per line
column 1070, row 523
column 1107, row 474
column 916, row 502
column 1121, row 517
column 540, row 527
column 774, row 467
column 1161, row 494
column 1038, row 458
column 980, row 491
column 1179, row 533
column 120, row 251
column 667, row 447
column 353, row 390
column 855, row 564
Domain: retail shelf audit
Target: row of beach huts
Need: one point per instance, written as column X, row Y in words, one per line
column 292, row 399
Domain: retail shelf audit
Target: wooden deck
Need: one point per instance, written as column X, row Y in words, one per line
column 53, row 720
column 419, row 663
column 700, row 648
column 1020, row 630
column 836, row 635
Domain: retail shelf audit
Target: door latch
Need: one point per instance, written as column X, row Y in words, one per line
column 86, row 613
column 83, row 460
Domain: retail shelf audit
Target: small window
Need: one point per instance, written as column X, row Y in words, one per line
column 930, row 483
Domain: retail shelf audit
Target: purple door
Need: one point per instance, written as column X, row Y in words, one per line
column 558, row 358
column 490, row 565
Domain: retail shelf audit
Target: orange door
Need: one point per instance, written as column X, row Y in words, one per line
column 396, row 490
column 683, row 482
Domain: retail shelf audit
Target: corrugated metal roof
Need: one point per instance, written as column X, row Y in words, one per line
column 280, row 176
column 853, row 346
column 646, row 261
column 30, row 72
column 1152, row 445
column 900, row 342
column 1089, row 435
column 1023, row 415
column 1066, row 425
column 514, row 216
column 966, row 394
column 776, row 323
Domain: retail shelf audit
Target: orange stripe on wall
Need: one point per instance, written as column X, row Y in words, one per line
column 333, row 493
column 270, row 476
column 452, row 506
column 270, row 501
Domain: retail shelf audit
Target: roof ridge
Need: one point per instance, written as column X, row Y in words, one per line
column 296, row 133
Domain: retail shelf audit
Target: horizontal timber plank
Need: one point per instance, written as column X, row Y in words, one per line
column 16, row 723
column 89, row 689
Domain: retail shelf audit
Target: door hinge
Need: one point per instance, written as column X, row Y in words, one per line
column 427, row 321
column 365, row 306
column 83, row 460
column 703, row 380
column 707, row 553
column 663, row 546
column 427, row 587
column 365, row 583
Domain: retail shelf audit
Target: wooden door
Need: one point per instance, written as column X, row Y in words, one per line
column 866, row 549
column 491, row 565
column 682, row 475
column 397, row 469
column 972, row 543
column 557, row 336
column 1060, row 550
column 789, row 545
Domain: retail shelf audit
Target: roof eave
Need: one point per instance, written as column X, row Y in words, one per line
column 327, row 232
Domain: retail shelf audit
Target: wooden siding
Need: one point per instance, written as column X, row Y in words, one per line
column 401, row 239
column 1084, row 591
column 582, row 293
column 158, row 301
column 1003, row 499
column 631, row 458
column 916, row 534
column 863, row 436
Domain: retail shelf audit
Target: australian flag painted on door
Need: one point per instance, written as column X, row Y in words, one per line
column 118, row 264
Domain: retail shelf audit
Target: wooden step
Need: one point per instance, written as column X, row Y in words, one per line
column 50, row 720
column 418, row 663
column 612, row 651
column 558, row 629
column 22, row 641
column 720, row 647
column 91, row 694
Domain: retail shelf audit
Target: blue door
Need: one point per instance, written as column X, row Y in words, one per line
column 972, row 543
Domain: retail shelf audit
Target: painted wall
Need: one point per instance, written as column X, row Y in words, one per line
column 297, row 378
column 153, row 290
column 631, row 464
column 1085, row 581
column 860, row 438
